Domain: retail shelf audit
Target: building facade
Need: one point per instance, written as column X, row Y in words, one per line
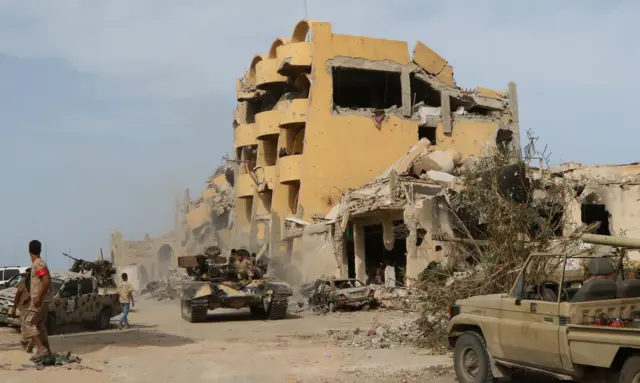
column 322, row 113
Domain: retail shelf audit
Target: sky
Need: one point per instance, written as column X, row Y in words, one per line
column 110, row 109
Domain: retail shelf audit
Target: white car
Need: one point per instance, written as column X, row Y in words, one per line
column 9, row 272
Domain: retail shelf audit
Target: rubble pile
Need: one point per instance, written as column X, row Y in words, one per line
column 395, row 298
column 398, row 334
column 168, row 288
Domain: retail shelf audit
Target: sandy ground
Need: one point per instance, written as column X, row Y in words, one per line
column 231, row 347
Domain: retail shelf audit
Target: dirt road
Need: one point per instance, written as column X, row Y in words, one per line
column 231, row 347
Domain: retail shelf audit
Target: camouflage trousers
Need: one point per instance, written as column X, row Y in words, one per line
column 34, row 323
column 24, row 340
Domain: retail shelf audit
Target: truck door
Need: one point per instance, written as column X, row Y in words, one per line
column 86, row 301
column 66, row 303
column 529, row 333
column 529, row 329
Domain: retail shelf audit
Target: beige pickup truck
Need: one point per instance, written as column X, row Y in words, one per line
column 580, row 322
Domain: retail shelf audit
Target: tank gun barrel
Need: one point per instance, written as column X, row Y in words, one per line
column 611, row 240
column 68, row 256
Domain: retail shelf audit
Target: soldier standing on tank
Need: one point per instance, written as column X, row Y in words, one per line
column 244, row 267
column 21, row 301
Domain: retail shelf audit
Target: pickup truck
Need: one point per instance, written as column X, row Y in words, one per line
column 578, row 320
column 77, row 299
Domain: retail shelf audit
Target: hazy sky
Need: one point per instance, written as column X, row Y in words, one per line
column 108, row 109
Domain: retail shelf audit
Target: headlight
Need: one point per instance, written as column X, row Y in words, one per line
column 453, row 311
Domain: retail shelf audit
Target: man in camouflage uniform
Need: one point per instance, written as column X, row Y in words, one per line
column 244, row 267
column 36, row 313
column 21, row 302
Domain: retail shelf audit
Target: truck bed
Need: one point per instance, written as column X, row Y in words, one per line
column 586, row 312
column 593, row 345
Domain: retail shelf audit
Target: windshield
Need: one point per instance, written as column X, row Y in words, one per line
column 55, row 285
column 15, row 280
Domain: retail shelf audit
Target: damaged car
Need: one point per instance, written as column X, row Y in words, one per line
column 334, row 294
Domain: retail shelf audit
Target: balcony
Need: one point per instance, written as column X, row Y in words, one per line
column 266, row 175
column 245, row 90
column 293, row 57
column 245, row 135
column 268, row 123
column 289, row 168
column 245, row 186
column 293, row 112
column 267, row 73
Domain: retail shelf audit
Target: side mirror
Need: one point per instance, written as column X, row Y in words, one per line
column 66, row 294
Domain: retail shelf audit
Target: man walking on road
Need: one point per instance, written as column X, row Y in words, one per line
column 36, row 314
column 125, row 291
column 21, row 302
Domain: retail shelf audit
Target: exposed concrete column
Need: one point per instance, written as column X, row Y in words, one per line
column 358, row 238
column 411, row 221
column 515, row 125
column 405, row 81
column 339, row 249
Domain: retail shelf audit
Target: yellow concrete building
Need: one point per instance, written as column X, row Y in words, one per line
column 321, row 113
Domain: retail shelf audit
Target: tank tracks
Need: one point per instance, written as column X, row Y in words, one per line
column 279, row 306
column 195, row 311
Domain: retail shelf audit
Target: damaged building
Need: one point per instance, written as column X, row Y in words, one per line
column 607, row 194
column 323, row 113
column 198, row 223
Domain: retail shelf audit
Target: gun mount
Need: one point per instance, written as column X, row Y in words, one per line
column 101, row 270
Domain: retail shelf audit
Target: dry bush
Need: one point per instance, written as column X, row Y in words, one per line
column 513, row 215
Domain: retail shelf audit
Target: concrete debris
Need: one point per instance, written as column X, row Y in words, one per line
column 395, row 298
column 440, row 160
column 397, row 334
column 437, row 176
column 168, row 288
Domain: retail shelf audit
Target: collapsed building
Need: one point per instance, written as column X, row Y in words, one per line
column 322, row 113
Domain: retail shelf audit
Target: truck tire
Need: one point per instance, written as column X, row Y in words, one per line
column 630, row 372
column 103, row 319
column 278, row 307
column 471, row 359
column 194, row 311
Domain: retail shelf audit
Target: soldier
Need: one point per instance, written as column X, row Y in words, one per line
column 21, row 301
column 35, row 316
column 244, row 267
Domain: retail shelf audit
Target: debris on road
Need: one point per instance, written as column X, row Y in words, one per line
column 168, row 288
column 399, row 334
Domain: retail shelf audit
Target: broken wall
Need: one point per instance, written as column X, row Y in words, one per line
column 615, row 188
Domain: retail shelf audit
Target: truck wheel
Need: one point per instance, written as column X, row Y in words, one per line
column 194, row 311
column 103, row 319
column 630, row 372
column 471, row 359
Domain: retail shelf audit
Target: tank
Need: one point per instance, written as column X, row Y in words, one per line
column 216, row 284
